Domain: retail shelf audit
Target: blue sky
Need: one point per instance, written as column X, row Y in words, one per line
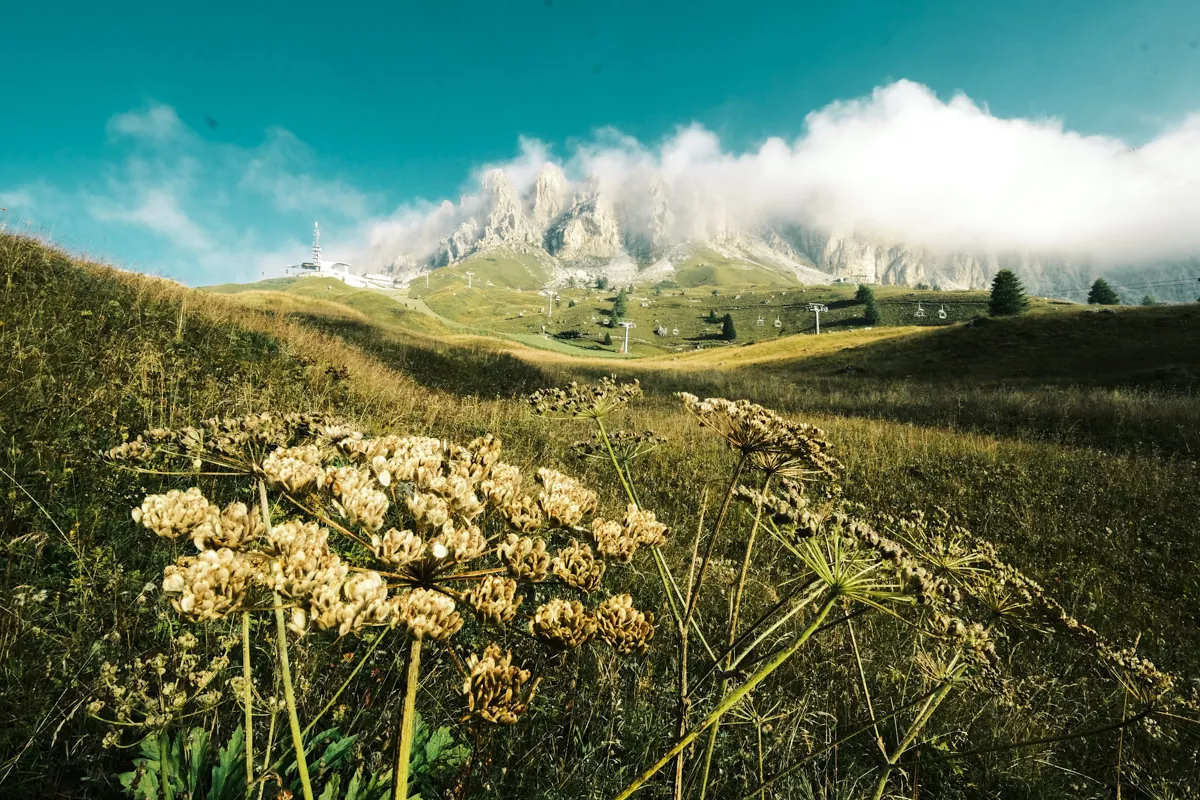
column 200, row 142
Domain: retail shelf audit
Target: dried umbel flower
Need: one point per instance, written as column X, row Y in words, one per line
column 625, row 446
column 234, row 528
column 580, row 401
column 613, row 540
column 458, row 544
column 525, row 557
column 643, row 527
column 173, row 514
column 428, row 511
column 773, row 444
column 135, row 451
column 359, row 499
column 208, row 586
column 563, row 499
column 151, row 692
column 623, row 626
column 496, row 691
column 428, row 614
column 502, row 486
column 296, row 469
column 495, row 598
column 397, row 548
column 301, row 560
column 576, row 566
column 523, row 514
column 364, row 603
column 563, row 623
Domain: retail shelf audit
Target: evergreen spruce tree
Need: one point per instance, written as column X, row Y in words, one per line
column 1102, row 294
column 1149, row 300
column 727, row 331
column 866, row 296
column 1008, row 295
column 712, row 317
column 871, row 312
column 607, row 339
column 619, row 304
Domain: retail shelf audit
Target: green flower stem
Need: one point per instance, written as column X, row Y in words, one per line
column 248, row 703
column 735, row 607
column 732, row 699
column 404, row 745
column 164, row 767
column 290, row 697
column 923, row 717
column 285, row 668
column 712, row 541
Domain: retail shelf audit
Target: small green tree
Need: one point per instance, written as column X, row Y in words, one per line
column 871, row 312
column 1102, row 294
column 712, row 317
column 727, row 331
column 866, row 296
column 602, row 282
column 1149, row 300
column 570, row 304
column 1008, row 295
column 620, row 302
column 607, row 340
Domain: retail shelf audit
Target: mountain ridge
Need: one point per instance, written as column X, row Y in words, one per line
column 643, row 230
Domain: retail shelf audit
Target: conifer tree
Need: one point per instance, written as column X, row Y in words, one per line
column 727, row 331
column 1008, row 295
column 1102, row 294
column 619, row 304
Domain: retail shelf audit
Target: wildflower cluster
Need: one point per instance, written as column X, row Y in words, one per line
column 399, row 532
column 152, row 691
column 771, row 443
column 584, row 402
column 626, row 446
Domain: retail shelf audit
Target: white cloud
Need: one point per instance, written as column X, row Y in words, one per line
column 159, row 211
column 157, row 122
column 281, row 169
column 17, row 200
column 906, row 165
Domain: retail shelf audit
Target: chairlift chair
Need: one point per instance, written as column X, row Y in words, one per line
column 761, row 322
column 920, row 312
column 942, row 312
column 778, row 323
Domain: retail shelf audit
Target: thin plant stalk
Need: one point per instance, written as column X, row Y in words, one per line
column 684, row 701
column 405, row 740
column 285, row 668
column 262, row 785
column 918, row 723
column 732, row 699
column 735, row 606
column 248, row 703
column 164, row 767
column 712, row 541
column 361, row 662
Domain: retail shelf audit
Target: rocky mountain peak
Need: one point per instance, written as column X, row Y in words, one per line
column 506, row 221
column 551, row 192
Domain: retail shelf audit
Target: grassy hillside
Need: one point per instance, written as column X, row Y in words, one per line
column 93, row 354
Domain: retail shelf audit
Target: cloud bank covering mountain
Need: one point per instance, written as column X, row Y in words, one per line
column 898, row 187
